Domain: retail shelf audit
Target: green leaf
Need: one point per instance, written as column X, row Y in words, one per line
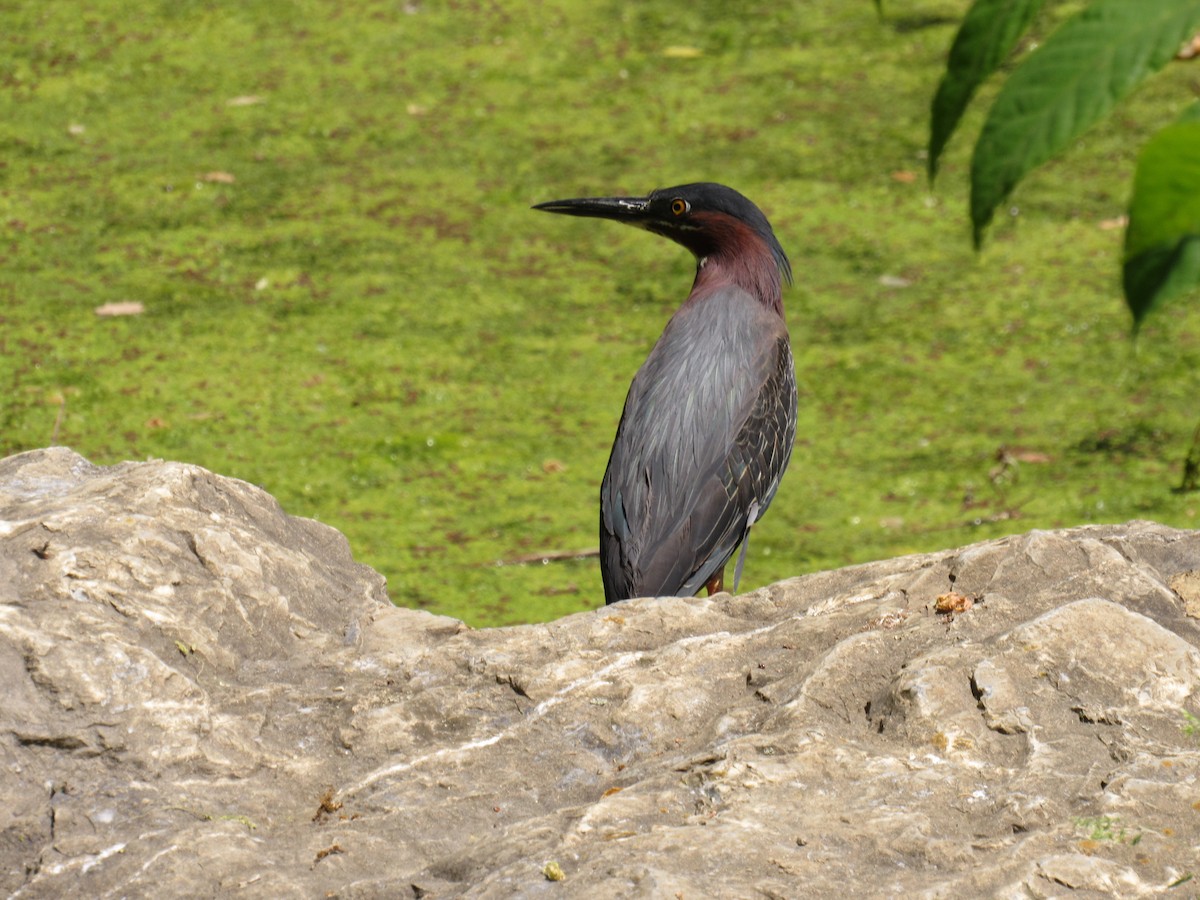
column 986, row 37
column 1060, row 90
column 1162, row 242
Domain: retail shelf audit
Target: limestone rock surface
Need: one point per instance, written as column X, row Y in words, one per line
column 206, row 697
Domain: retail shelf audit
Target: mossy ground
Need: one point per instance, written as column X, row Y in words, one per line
column 324, row 210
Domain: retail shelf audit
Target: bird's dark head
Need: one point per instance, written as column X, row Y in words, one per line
column 711, row 220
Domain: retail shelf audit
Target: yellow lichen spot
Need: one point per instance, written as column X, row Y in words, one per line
column 553, row 872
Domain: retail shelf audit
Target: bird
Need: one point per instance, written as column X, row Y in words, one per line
column 709, row 422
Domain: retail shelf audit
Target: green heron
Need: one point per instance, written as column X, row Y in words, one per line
column 710, row 418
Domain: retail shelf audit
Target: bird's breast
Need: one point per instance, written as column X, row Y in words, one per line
column 700, row 380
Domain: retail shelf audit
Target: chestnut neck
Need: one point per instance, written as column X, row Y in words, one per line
column 730, row 252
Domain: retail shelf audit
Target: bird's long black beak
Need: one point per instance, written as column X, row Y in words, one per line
column 620, row 209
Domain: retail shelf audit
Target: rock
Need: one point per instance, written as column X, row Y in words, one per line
column 207, row 697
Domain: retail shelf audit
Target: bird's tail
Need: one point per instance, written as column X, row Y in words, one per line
column 751, row 518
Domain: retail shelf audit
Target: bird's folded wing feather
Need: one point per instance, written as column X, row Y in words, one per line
column 707, row 430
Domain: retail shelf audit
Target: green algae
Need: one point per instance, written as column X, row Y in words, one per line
column 324, row 212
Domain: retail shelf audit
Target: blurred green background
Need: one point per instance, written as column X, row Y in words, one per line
column 323, row 209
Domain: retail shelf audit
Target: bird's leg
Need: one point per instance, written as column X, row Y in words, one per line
column 716, row 584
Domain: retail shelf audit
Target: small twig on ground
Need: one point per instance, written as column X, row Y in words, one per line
column 546, row 556
column 58, row 418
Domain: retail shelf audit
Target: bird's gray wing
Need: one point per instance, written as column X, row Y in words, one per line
column 706, row 433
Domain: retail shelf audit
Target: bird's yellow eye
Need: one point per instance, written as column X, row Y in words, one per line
column 679, row 206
